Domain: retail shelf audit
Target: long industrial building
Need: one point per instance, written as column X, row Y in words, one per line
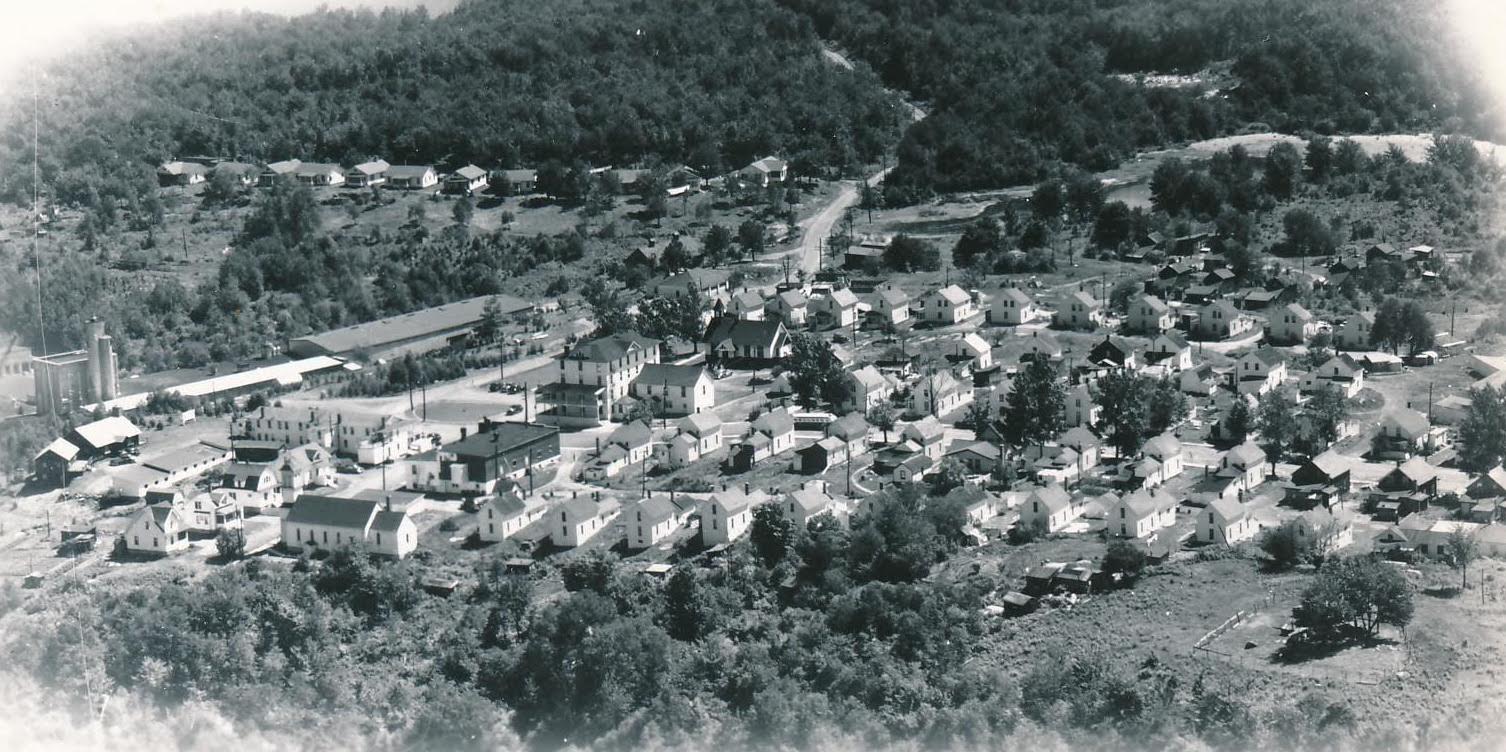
column 419, row 331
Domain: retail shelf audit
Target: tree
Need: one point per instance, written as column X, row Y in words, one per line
column 1285, row 546
column 686, row 615
column 1482, row 433
column 675, row 257
column 1167, row 406
column 979, row 239
column 1125, row 558
column 463, row 211
column 1306, row 235
column 1463, row 548
column 221, row 188
column 716, row 246
column 908, row 254
column 881, row 416
column 815, row 372
column 1320, row 158
column 751, row 235
column 231, row 543
column 1124, row 397
column 1122, row 293
column 594, row 571
column 979, row 417
column 950, row 474
column 608, row 308
column 1278, row 424
column 1114, row 225
column 1349, row 158
column 1238, row 422
column 772, row 533
column 1166, row 185
column 1358, row 592
column 1326, row 411
column 1283, row 171
column 1034, row 410
column 672, row 316
column 490, row 325
column 1402, row 323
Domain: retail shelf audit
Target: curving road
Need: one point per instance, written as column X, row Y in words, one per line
column 816, row 229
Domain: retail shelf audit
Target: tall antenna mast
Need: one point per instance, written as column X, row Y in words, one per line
column 36, row 219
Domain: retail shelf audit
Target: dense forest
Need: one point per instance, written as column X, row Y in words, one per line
column 1016, row 86
column 811, row 636
column 712, row 84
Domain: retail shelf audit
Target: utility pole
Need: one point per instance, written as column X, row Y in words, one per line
column 185, row 245
column 1430, row 402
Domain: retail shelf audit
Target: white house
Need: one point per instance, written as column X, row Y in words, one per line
column 650, row 521
column 928, row 434
column 1292, row 325
column 1080, row 408
column 705, row 429
column 1050, row 507
column 1225, row 521
column 580, row 520
column 799, row 506
column 157, row 529
column 1354, row 334
column 725, row 518
column 1167, row 450
column 1171, row 351
column 939, row 393
column 791, row 306
column 502, row 515
column 1142, row 514
column 594, row 376
column 323, row 522
column 890, row 308
column 1012, row 307
column 1260, row 371
column 765, row 171
column 252, row 485
column 972, row 350
column 1336, row 372
column 1221, row 320
column 747, row 305
column 675, row 390
column 1244, row 466
column 412, row 177
column 837, row 309
column 1080, row 311
column 1150, row 315
column 869, row 388
column 945, row 306
column 735, row 339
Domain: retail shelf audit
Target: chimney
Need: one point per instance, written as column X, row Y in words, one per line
column 389, row 502
column 747, row 489
column 462, row 432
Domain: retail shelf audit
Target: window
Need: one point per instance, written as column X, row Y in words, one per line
column 326, row 536
column 135, row 540
column 379, row 539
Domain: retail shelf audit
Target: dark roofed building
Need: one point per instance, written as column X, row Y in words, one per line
column 428, row 329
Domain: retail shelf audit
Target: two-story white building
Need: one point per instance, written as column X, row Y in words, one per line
column 1011, row 306
column 594, row 376
column 323, row 522
column 1149, row 315
column 725, row 517
column 1292, row 325
column 1080, row 311
column 502, row 515
column 945, row 306
column 158, row 529
column 1259, row 371
column 675, row 390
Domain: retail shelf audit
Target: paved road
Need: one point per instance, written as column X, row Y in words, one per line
column 816, row 229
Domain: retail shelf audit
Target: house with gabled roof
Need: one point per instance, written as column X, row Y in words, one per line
column 1244, row 467
column 650, row 521
column 576, row 521
column 1149, row 315
column 502, row 515
column 807, row 502
column 1320, row 481
column 1259, row 371
column 367, row 174
column 939, row 393
column 705, row 428
column 466, row 181
column 324, row 522
column 1200, row 380
column 1488, row 485
column 971, row 349
column 747, row 305
column 1115, row 352
column 1225, row 522
column 1087, row 446
column 979, row 457
column 1080, row 311
column 725, row 517
column 1050, row 507
column 1409, row 487
column 1220, row 320
column 1325, row 530
column 675, row 390
column 820, row 456
column 1167, row 450
column 890, row 308
column 1142, row 514
column 1354, row 333
column 318, row 174
column 1292, row 324
column 1337, row 372
column 837, row 309
column 1171, row 351
column 1080, row 408
column 594, row 376
column 412, row 177
column 928, row 434
column 181, row 173
column 1011, row 306
column 945, row 306
column 1403, row 433
column 868, row 388
column 1042, row 345
column 157, row 529
column 852, row 430
column 790, row 306
column 765, row 171
column 251, row 484
column 743, row 341
column 913, row 469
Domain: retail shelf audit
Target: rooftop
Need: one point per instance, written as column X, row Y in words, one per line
column 375, row 335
